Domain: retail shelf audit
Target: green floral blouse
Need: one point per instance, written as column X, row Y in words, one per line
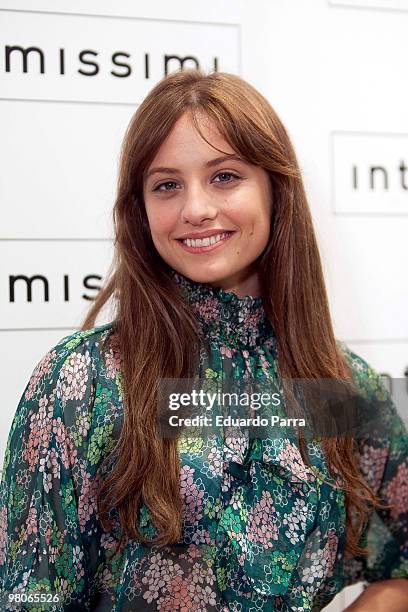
column 261, row 529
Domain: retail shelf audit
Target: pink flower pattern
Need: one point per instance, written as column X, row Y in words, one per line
column 260, row 527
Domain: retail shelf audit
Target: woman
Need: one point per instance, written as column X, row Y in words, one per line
column 217, row 275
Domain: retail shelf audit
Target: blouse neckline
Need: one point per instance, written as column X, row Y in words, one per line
column 225, row 318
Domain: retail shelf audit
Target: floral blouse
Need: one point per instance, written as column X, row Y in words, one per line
column 261, row 529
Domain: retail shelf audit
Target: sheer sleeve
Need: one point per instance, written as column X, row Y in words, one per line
column 384, row 464
column 47, row 490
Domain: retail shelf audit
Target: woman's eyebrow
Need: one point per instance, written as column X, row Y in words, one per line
column 209, row 164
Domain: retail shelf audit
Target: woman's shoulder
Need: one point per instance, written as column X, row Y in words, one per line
column 89, row 345
column 372, row 388
column 366, row 378
column 73, row 367
column 83, row 339
column 355, row 361
column 70, row 392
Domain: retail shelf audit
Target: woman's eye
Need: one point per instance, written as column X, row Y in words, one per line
column 158, row 188
column 222, row 176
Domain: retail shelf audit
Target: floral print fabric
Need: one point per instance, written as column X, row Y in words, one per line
column 261, row 529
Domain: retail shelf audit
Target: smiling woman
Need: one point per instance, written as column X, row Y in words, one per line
column 207, row 204
column 216, row 278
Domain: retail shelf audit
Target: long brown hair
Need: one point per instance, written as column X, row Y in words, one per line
column 155, row 326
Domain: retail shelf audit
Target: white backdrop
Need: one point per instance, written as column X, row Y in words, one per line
column 334, row 70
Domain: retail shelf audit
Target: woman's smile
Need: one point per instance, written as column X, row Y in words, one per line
column 208, row 242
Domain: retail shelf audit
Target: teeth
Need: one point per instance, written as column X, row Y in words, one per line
column 200, row 242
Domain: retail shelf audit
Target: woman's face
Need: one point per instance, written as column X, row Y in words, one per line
column 209, row 216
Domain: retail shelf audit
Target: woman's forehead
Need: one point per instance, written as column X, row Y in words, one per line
column 184, row 141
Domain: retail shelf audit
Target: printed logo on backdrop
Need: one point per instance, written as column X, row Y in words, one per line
column 369, row 173
column 50, row 284
column 49, row 56
column 390, row 5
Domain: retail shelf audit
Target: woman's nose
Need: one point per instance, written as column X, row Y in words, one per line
column 197, row 205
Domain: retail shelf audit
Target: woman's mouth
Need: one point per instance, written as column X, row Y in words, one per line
column 203, row 245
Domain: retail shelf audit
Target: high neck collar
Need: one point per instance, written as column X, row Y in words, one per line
column 225, row 318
